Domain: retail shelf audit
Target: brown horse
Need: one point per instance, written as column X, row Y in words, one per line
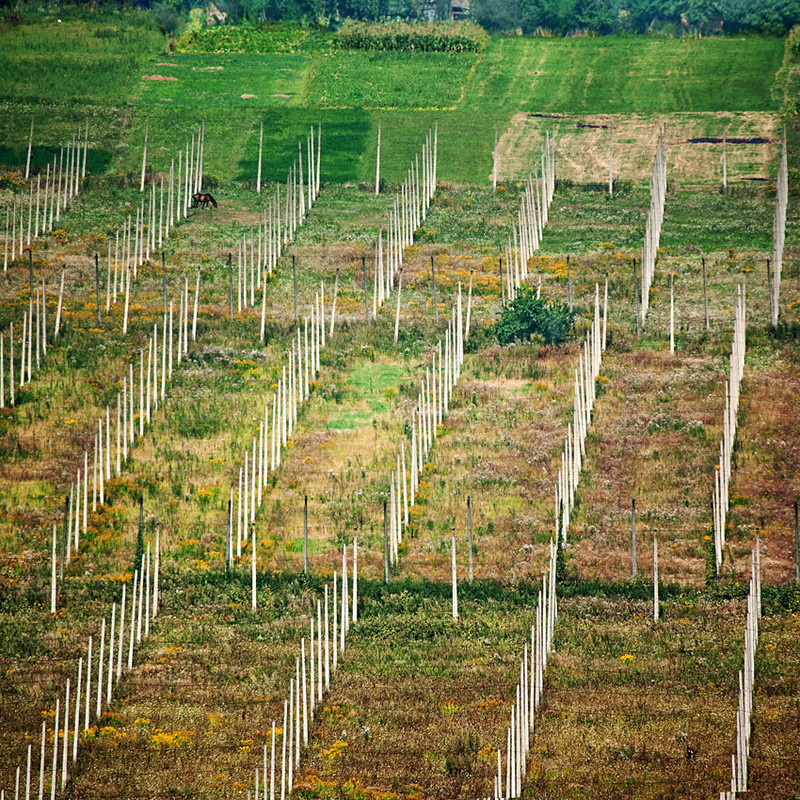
column 202, row 199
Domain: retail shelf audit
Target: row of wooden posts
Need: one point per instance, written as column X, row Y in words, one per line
column 308, row 682
column 189, row 176
column 258, row 253
column 32, row 346
column 76, row 513
column 60, row 186
column 527, row 231
column 720, row 501
column 409, row 211
column 103, row 668
column 433, row 403
column 744, row 711
column 294, row 386
column 109, row 455
column 652, row 234
column 586, row 375
column 779, row 231
column 529, row 691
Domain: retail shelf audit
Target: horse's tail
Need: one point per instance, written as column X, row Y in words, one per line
column 214, row 202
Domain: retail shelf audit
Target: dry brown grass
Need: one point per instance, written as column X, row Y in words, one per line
column 583, row 147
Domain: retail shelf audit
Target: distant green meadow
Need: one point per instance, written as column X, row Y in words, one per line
column 112, row 70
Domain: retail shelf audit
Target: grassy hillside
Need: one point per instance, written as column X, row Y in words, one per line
column 420, row 703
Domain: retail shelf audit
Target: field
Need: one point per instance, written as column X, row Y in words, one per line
column 420, row 702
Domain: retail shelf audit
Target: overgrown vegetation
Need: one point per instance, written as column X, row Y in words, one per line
column 632, row 707
column 443, row 37
column 528, row 317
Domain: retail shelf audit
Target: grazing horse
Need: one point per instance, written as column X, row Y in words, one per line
column 202, row 199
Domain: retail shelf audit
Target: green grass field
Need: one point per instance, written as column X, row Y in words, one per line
column 420, row 702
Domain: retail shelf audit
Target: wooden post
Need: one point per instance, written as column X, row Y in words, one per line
column 53, row 581
column 725, row 161
column 30, row 270
column 253, row 582
column 656, row 603
column 672, row 312
column 30, row 149
column 705, row 294
column 366, row 288
column 769, row 291
column 385, row 544
column 494, row 162
column 378, row 163
column 454, row 576
column 569, row 283
column 305, row 535
column 397, row 313
column 144, row 155
column 633, row 538
column 97, row 285
column 469, row 536
column 502, row 291
column 435, row 296
column 611, row 160
column 294, row 286
column 636, row 295
column 230, row 286
column 164, row 281
column 260, row 150
column 333, row 304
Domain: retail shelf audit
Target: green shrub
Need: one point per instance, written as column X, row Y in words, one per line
column 428, row 37
column 793, row 42
column 528, row 316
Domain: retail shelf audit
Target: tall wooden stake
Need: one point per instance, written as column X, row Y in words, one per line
column 469, row 536
column 378, row 163
column 144, row 155
column 305, row 535
column 633, row 538
column 435, row 296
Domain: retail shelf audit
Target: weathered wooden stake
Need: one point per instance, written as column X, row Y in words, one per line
column 53, row 572
column 469, row 536
column 305, row 535
column 144, row 155
column 435, row 296
column 569, row 283
column 366, row 287
column 656, row 604
column 385, row 544
column 294, row 286
column 30, row 150
column 725, row 161
column 253, row 587
column 397, row 313
column 454, row 577
column 230, row 286
column 633, row 538
column 260, row 149
column 705, row 294
column 378, row 163
column 672, row 312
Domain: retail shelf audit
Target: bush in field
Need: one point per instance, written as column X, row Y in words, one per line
column 793, row 42
column 429, row 37
column 528, row 316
